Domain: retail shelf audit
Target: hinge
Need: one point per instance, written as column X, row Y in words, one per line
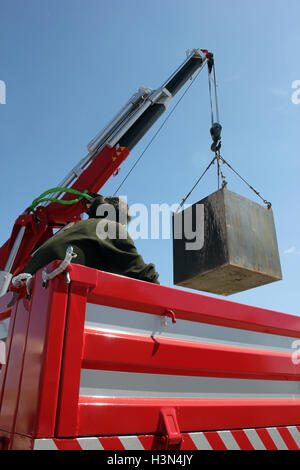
column 171, row 438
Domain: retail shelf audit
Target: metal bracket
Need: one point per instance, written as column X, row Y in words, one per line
column 168, row 313
column 200, row 53
column 172, row 437
column 161, row 96
column 61, row 268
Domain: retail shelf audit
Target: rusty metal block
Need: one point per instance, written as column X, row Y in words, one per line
column 239, row 249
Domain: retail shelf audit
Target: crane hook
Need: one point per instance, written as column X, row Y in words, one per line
column 215, row 133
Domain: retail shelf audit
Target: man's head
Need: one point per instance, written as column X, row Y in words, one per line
column 112, row 208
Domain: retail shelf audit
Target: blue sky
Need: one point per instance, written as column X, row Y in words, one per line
column 70, row 65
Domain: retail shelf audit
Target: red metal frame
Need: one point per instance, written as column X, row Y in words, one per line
column 29, row 382
column 141, row 416
column 39, row 226
column 85, row 348
column 153, row 442
column 48, row 346
column 130, row 353
column 122, row 292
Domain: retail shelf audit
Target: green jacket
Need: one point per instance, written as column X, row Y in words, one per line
column 115, row 254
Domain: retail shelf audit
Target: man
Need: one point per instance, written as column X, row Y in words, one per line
column 100, row 242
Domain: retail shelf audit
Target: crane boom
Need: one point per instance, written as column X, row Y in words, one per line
column 106, row 152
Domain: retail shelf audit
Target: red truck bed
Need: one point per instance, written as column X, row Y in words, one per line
column 108, row 362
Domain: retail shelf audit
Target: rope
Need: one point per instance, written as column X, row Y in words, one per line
column 218, row 157
column 216, row 127
column 216, row 135
column 268, row 204
column 219, row 171
column 197, row 182
column 157, row 132
column 210, row 98
column 216, row 95
column 18, row 281
column 42, row 197
column 217, row 153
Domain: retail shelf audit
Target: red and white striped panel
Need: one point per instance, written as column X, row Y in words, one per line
column 274, row 438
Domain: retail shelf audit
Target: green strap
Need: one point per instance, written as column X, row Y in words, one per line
column 37, row 201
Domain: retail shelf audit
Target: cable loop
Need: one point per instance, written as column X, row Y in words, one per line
column 42, row 198
column 20, row 279
column 268, row 203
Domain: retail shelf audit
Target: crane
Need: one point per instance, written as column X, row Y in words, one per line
column 106, row 152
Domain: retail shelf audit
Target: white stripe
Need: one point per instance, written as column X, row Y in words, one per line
column 228, row 440
column 295, row 434
column 115, row 320
column 2, row 352
column 44, row 444
column 254, row 439
column 278, row 441
column 105, row 383
column 131, row 443
column 4, row 325
column 89, row 443
column 200, row 441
